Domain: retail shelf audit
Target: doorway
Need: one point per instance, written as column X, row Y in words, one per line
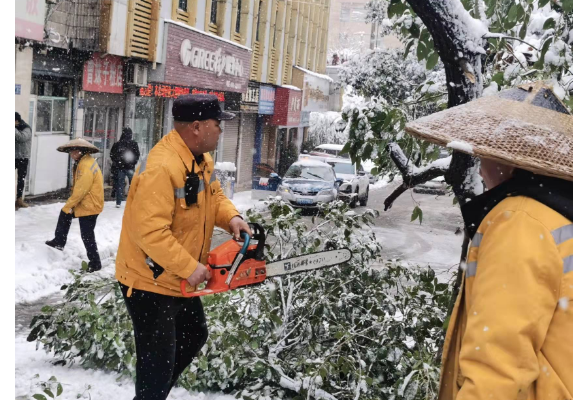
column 101, row 128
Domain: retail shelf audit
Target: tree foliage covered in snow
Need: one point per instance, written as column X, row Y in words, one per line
column 399, row 89
column 346, row 332
column 326, row 127
column 484, row 47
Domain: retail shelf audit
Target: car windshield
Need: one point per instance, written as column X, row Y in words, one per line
column 310, row 172
column 344, row 168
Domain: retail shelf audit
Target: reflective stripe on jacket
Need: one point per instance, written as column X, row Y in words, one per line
column 87, row 194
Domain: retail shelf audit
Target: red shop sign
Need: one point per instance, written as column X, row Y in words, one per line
column 103, row 74
column 173, row 91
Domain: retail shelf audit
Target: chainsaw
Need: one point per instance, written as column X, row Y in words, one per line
column 233, row 265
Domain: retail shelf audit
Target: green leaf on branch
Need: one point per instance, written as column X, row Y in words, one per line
column 417, row 213
column 39, row 397
column 422, row 51
column 568, row 5
column 432, row 60
column 396, row 8
column 512, row 13
column 540, row 63
column 499, row 78
column 549, row 24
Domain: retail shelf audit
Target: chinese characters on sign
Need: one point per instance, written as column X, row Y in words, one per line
column 294, row 107
column 267, row 97
column 103, row 74
column 172, row 91
column 30, row 19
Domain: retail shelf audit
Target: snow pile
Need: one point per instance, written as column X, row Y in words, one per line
column 382, row 183
column 225, row 166
column 41, row 270
column 243, row 202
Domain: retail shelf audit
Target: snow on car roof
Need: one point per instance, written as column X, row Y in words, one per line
column 337, row 147
column 311, row 163
column 339, row 160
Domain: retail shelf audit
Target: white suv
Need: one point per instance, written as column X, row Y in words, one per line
column 356, row 183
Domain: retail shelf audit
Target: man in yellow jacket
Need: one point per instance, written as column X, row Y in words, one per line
column 172, row 207
column 85, row 203
column 510, row 335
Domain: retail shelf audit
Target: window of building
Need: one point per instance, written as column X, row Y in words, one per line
column 275, row 30
column 258, row 21
column 183, row 5
column 238, row 22
column 213, row 11
column 51, row 114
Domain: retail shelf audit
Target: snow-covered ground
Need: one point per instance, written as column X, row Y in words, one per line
column 75, row 379
column 41, row 270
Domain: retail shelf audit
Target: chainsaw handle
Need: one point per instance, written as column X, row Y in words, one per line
column 246, row 239
column 213, row 285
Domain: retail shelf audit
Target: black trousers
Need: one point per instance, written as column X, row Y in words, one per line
column 87, row 225
column 21, row 164
column 169, row 333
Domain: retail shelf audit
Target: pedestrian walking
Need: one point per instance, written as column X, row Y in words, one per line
column 124, row 155
column 22, row 152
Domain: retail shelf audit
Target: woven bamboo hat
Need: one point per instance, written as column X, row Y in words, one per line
column 527, row 127
column 78, row 144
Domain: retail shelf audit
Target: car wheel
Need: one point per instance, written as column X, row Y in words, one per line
column 353, row 202
column 363, row 202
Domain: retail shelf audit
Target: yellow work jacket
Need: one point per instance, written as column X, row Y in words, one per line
column 87, row 193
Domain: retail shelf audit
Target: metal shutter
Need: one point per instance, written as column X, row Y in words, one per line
column 246, row 151
column 230, row 140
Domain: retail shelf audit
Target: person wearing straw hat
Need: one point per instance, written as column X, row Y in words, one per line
column 510, row 333
column 86, row 201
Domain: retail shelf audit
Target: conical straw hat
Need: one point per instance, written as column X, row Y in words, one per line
column 78, row 144
column 526, row 127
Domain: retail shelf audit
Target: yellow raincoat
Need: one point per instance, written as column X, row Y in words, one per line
column 87, row 194
column 159, row 228
column 510, row 334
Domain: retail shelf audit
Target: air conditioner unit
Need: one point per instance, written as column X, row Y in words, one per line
column 137, row 75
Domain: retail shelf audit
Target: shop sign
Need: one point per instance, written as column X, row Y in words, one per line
column 173, row 91
column 17, row 88
column 316, row 94
column 30, row 19
column 196, row 59
column 267, row 98
column 305, row 118
column 288, row 106
column 103, row 74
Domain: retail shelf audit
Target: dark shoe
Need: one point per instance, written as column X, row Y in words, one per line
column 94, row 268
column 21, row 204
column 54, row 244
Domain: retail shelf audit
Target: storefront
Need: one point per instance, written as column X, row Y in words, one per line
column 247, row 150
column 54, row 74
column 103, row 102
column 194, row 62
column 286, row 119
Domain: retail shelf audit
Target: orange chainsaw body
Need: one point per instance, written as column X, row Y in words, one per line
column 251, row 269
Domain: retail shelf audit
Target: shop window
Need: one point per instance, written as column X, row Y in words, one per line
column 183, row 5
column 50, row 88
column 51, row 115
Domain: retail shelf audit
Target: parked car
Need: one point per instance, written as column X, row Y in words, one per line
column 355, row 186
column 308, row 183
column 435, row 186
column 329, row 150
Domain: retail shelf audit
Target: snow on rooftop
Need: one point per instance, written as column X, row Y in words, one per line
column 291, row 87
column 316, row 74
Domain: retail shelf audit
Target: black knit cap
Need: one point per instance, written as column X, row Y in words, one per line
column 199, row 107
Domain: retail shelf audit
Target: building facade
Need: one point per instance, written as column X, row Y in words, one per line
column 96, row 66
